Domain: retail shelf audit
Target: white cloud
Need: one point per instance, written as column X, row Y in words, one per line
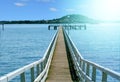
column 53, row 9
column 19, row 4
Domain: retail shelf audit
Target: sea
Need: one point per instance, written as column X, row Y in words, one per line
column 22, row 44
column 99, row 43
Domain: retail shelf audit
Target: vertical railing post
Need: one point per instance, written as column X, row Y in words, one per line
column 94, row 74
column 83, row 66
column 41, row 66
column 83, row 69
column 32, row 74
column 22, row 77
column 104, row 77
column 38, row 69
column 46, row 61
column 80, row 63
column 87, row 70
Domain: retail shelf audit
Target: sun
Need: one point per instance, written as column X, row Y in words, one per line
column 107, row 9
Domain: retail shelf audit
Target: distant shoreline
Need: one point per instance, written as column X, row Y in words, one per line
column 73, row 18
column 68, row 19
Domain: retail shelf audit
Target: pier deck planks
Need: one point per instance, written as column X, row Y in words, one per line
column 59, row 69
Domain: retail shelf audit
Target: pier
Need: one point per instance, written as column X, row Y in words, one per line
column 69, row 26
column 55, row 27
column 75, row 27
column 59, row 69
column 62, row 62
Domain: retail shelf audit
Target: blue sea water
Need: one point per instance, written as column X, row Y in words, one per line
column 99, row 43
column 22, row 44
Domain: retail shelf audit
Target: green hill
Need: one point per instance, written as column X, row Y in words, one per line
column 73, row 18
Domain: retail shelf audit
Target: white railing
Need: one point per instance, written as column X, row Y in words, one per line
column 41, row 66
column 87, row 70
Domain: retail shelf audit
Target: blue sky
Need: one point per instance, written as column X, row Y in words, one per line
column 50, row 9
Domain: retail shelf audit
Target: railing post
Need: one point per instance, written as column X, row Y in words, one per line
column 32, row 74
column 83, row 69
column 38, row 69
column 41, row 66
column 80, row 62
column 43, row 63
column 87, row 70
column 94, row 74
column 22, row 77
column 83, row 66
column 104, row 77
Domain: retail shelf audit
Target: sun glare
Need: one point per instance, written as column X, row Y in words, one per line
column 107, row 9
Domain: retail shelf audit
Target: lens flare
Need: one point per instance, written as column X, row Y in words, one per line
column 107, row 9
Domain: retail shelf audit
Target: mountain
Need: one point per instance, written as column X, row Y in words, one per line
column 73, row 18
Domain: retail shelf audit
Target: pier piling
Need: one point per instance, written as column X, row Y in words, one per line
column 52, row 27
column 3, row 27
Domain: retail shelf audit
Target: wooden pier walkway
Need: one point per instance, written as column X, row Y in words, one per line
column 59, row 69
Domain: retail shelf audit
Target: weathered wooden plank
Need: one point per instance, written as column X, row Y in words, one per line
column 59, row 69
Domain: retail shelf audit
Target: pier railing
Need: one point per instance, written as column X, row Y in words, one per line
column 39, row 68
column 87, row 71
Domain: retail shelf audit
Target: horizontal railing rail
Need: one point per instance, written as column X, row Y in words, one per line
column 41, row 66
column 87, row 70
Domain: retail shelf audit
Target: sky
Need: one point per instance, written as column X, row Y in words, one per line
column 51, row 9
